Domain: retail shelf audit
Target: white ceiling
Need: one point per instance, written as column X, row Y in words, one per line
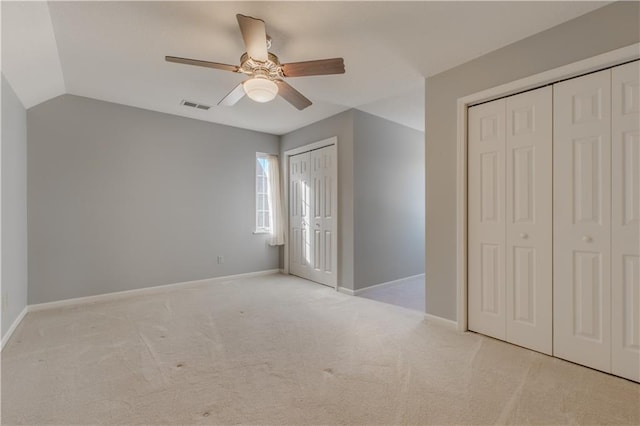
column 114, row 51
column 30, row 58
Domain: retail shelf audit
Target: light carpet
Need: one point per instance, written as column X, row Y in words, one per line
column 282, row 350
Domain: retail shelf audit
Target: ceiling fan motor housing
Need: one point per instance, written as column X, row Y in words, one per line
column 270, row 68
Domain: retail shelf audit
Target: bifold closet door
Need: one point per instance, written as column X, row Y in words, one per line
column 582, row 223
column 529, row 238
column 486, row 219
column 324, row 214
column 299, row 215
column 313, row 208
column 510, row 212
column 625, row 221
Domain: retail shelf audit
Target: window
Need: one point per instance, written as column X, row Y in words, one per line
column 269, row 218
column 263, row 211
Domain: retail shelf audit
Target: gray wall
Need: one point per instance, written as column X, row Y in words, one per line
column 121, row 198
column 14, row 205
column 611, row 27
column 340, row 125
column 388, row 200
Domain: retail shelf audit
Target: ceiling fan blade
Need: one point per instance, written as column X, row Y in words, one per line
column 199, row 63
column 254, row 34
column 233, row 96
column 291, row 95
column 319, row 67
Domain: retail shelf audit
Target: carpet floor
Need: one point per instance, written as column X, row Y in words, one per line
column 281, row 350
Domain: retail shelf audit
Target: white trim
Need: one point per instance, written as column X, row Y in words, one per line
column 441, row 321
column 461, row 219
column 371, row 287
column 285, row 180
column 605, row 60
column 312, row 146
column 2, row 295
column 346, row 291
column 143, row 291
column 16, row 323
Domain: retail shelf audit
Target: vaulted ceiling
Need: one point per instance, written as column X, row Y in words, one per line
column 114, row 51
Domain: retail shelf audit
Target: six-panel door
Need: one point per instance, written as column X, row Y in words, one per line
column 323, row 214
column 625, row 221
column 300, row 255
column 510, row 272
column 487, row 227
column 582, row 223
column 529, row 240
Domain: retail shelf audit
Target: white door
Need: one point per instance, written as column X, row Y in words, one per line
column 510, row 216
column 582, row 225
column 313, row 196
column 299, row 215
column 625, row 220
column 529, row 238
column 486, row 219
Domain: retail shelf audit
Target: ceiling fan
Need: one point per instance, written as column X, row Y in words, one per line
column 264, row 68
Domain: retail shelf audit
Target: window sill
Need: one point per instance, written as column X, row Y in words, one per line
column 261, row 232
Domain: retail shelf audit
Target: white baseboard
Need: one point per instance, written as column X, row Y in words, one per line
column 371, row 287
column 346, row 291
column 442, row 321
column 13, row 327
column 142, row 291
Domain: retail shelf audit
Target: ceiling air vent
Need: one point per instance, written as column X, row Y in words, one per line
column 194, row 105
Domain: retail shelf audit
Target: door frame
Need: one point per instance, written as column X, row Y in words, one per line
column 285, row 176
column 575, row 69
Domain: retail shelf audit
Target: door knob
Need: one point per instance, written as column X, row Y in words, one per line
column 524, row 236
column 317, row 225
column 587, row 239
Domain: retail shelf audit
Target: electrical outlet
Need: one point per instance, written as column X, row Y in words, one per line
column 5, row 301
column 220, row 260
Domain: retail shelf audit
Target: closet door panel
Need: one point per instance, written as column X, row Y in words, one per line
column 582, row 223
column 625, row 221
column 323, row 219
column 486, row 244
column 301, row 254
column 529, row 214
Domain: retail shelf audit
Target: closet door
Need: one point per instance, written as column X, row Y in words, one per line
column 582, row 225
column 313, row 209
column 625, row 220
column 529, row 272
column 323, row 215
column 486, row 219
column 300, row 199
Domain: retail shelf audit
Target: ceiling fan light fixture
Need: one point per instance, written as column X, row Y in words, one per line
column 260, row 89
